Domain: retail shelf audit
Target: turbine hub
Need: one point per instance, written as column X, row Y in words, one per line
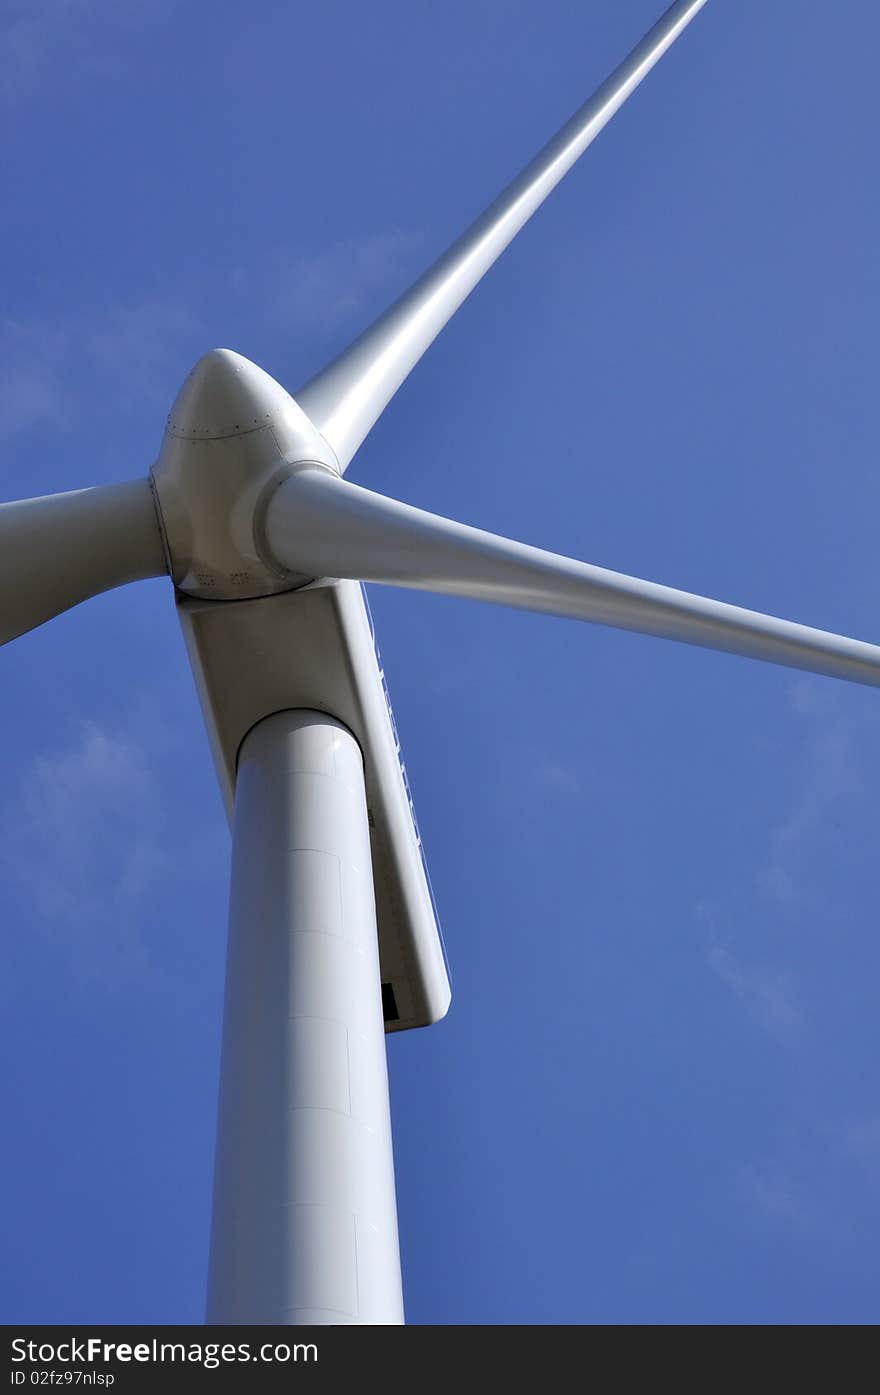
column 233, row 435
column 225, row 395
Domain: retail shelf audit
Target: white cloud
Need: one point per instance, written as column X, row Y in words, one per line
column 554, row 775
column 34, row 34
column 31, row 385
column 772, row 1188
column 828, row 774
column 29, row 31
column 132, row 342
column 766, row 991
column 769, row 993
column 49, row 365
column 861, row 1143
column 323, row 291
column 80, row 838
column 43, row 360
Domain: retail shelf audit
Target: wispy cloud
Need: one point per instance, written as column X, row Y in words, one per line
column 45, row 361
column 31, row 387
column 29, row 32
column 860, row 1143
column 126, row 347
column 773, row 1188
column 35, row 34
column 826, row 776
column 821, row 1150
column 768, row 992
column 555, row 775
column 80, row 836
column 132, row 342
column 817, row 1160
column 828, row 773
column 329, row 289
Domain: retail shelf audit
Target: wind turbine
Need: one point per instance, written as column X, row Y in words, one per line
column 253, row 517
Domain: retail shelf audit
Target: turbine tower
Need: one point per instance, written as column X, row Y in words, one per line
column 333, row 938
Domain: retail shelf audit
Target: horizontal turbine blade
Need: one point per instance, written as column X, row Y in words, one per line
column 61, row 549
column 319, row 525
column 347, row 397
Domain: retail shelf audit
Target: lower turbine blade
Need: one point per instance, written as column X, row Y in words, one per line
column 62, row 549
column 319, row 525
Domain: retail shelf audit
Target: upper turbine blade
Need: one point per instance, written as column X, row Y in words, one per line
column 61, row 549
column 346, row 398
column 319, row 525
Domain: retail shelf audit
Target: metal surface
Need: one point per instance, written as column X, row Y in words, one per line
column 314, row 649
column 346, row 398
column 62, row 549
column 316, row 521
column 230, row 437
column 305, row 1218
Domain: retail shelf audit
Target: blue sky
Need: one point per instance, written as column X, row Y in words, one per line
column 655, row 1097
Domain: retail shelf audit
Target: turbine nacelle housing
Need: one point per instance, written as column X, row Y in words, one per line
column 233, row 436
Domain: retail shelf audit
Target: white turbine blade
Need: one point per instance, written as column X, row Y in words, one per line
column 347, row 397
column 61, row 549
column 319, row 525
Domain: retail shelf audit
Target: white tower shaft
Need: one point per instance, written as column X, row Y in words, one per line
column 305, row 1217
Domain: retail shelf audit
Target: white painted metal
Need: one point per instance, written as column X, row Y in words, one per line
column 318, row 522
column 62, row 549
column 305, row 1219
column 347, row 397
column 230, row 437
column 313, row 648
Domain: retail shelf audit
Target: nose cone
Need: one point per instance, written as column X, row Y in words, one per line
column 226, row 395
